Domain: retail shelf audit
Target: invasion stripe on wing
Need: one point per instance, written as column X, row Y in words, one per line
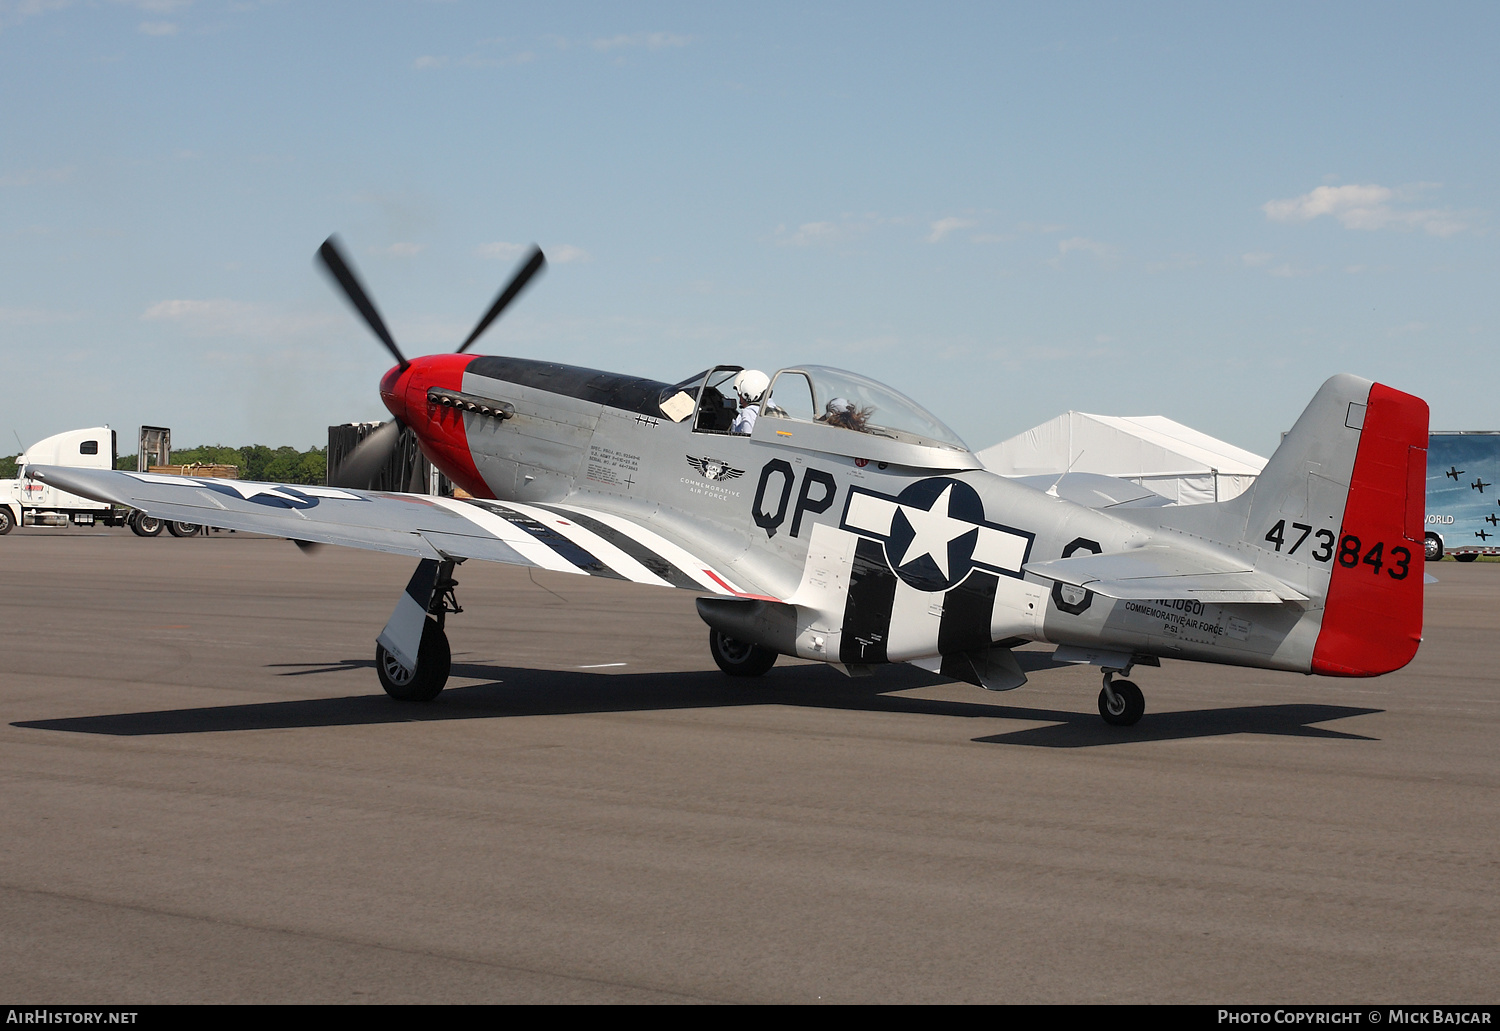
column 624, row 561
column 565, row 546
column 705, row 575
column 532, row 550
column 570, row 539
column 649, row 560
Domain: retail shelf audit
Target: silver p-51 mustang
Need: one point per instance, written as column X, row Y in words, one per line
column 842, row 522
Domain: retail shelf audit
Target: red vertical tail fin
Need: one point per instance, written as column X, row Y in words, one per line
column 1372, row 616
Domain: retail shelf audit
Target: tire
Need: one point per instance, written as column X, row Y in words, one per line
column 177, row 529
column 434, row 660
column 737, row 658
column 1432, row 546
column 146, row 526
column 1132, row 705
column 7, row 520
column 1468, row 556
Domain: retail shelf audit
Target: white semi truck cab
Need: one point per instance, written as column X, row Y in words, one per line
column 31, row 501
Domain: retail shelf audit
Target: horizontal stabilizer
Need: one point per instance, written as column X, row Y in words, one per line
column 1168, row 573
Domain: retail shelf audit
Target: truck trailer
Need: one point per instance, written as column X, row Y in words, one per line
column 1463, row 508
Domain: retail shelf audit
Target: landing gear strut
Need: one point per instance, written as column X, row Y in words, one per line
column 1120, row 702
column 423, row 679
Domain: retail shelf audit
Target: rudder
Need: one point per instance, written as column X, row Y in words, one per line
column 1372, row 617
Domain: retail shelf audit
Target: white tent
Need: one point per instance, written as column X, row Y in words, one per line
column 1174, row 460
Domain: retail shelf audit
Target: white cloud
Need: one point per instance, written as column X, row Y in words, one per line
column 500, row 250
column 1286, row 270
column 400, row 250
column 558, row 254
column 221, row 317
column 192, row 309
column 17, row 11
column 430, row 61
column 811, row 234
column 157, row 6
column 32, row 176
column 158, row 28
column 648, row 40
column 1366, row 206
column 1084, row 244
column 943, row 226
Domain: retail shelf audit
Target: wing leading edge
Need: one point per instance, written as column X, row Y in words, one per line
column 559, row 537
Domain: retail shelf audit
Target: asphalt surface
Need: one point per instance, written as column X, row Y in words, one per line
column 207, row 798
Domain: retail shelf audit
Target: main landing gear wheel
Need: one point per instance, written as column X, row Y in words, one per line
column 737, row 658
column 146, row 526
column 1468, row 556
column 423, row 684
column 1127, row 706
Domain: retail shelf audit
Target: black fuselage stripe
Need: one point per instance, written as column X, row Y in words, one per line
column 632, row 547
column 968, row 611
column 565, row 548
column 867, row 607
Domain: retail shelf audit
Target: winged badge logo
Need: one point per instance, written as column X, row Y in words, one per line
column 713, row 468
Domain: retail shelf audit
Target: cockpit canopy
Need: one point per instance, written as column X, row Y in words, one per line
column 847, row 400
column 819, row 408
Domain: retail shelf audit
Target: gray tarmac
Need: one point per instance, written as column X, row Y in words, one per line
column 206, row 798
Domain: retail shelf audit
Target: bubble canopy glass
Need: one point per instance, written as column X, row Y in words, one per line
column 802, row 394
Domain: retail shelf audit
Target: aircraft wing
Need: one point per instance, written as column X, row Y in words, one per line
column 564, row 538
column 1168, row 573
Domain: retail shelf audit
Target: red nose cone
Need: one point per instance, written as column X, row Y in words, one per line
column 393, row 391
column 439, row 429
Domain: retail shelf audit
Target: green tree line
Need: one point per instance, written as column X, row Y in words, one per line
column 254, row 461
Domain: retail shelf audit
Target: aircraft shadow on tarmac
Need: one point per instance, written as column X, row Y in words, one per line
column 512, row 692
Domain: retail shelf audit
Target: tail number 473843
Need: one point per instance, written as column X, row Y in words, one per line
column 1350, row 553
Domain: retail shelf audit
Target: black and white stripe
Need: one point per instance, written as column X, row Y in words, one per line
column 567, row 538
column 885, row 620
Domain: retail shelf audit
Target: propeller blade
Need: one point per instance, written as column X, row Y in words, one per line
column 533, row 265
column 337, row 267
column 362, row 465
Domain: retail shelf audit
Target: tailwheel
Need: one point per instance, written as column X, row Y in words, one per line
column 737, row 658
column 1121, row 703
column 423, row 684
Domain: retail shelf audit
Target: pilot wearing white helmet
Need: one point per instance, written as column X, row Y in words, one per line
column 751, row 386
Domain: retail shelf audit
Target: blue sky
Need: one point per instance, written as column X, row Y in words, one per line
column 1005, row 210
